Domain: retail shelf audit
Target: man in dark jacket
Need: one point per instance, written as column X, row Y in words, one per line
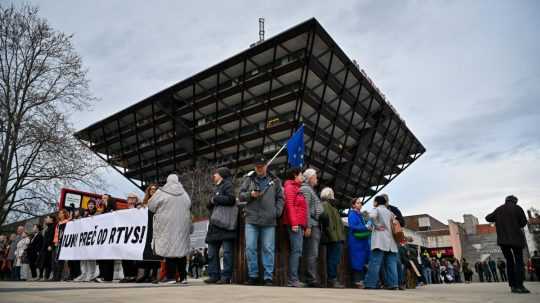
column 479, row 270
column 217, row 237
column 510, row 220
column 502, row 270
column 263, row 194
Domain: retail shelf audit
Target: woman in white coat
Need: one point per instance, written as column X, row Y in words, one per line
column 171, row 206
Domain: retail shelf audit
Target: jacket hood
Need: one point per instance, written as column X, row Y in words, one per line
column 173, row 186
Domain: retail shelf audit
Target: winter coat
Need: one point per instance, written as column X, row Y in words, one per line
column 223, row 196
column 13, row 247
column 313, row 202
column 48, row 237
column 20, row 251
column 295, row 211
column 359, row 250
column 34, row 248
column 264, row 210
column 172, row 219
column 509, row 220
column 332, row 229
column 382, row 239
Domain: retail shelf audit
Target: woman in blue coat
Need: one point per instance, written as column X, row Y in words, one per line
column 359, row 245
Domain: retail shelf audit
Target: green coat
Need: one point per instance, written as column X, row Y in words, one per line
column 332, row 226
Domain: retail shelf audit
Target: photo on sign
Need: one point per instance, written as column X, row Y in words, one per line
column 73, row 200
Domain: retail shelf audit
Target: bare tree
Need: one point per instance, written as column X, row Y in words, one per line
column 42, row 82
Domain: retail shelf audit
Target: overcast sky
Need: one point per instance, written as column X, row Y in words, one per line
column 464, row 76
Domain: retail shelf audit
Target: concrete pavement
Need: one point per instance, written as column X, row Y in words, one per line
column 41, row 292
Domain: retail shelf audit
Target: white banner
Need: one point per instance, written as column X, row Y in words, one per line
column 120, row 235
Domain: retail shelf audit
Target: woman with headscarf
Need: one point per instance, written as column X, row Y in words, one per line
column 216, row 237
column 171, row 206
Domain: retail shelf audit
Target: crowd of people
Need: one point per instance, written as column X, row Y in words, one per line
column 380, row 256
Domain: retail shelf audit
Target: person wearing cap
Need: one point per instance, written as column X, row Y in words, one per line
column 262, row 192
column 217, row 237
column 313, row 231
column 510, row 220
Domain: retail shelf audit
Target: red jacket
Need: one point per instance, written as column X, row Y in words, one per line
column 295, row 212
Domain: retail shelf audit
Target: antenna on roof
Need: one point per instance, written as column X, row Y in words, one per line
column 261, row 29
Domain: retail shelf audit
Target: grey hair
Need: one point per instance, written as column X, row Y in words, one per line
column 310, row 172
column 327, row 194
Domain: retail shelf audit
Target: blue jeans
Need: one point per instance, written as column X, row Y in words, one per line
column 378, row 257
column 214, row 264
column 427, row 274
column 295, row 242
column 400, row 271
column 333, row 256
column 267, row 235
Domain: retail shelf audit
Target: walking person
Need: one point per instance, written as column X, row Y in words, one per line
column 467, row 272
column 479, row 270
column 493, row 268
column 313, row 232
column 295, row 220
column 501, row 265
column 262, row 192
column 332, row 236
column 383, row 247
column 34, row 250
column 218, row 237
column 359, row 238
column 171, row 206
column 510, row 220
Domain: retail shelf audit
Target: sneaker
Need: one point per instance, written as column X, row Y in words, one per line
column 520, row 290
column 224, row 281
column 168, row 281
column 335, row 284
column 80, row 278
column 251, row 282
column 128, row 280
column 100, row 280
column 312, row 285
column 268, row 282
column 294, row 284
column 212, row 281
column 183, row 282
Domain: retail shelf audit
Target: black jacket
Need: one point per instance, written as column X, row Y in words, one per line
column 224, row 196
column 34, row 247
column 509, row 220
column 398, row 214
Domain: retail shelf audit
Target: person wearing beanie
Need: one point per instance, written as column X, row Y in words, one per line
column 218, row 237
column 510, row 220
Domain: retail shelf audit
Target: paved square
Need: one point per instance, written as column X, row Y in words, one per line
column 199, row 292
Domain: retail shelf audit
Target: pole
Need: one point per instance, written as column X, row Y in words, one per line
column 275, row 156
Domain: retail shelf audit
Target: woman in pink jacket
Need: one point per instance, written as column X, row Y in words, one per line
column 295, row 217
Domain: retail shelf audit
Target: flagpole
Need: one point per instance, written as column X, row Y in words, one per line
column 275, row 156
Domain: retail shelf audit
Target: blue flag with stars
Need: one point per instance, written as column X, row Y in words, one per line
column 295, row 148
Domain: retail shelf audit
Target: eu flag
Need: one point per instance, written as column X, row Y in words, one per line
column 295, row 148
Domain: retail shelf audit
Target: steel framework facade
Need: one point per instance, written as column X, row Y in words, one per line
column 252, row 103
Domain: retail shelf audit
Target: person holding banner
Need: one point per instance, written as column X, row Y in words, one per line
column 171, row 206
column 106, row 267
column 150, row 265
column 58, row 265
column 129, row 267
column 89, row 269
column 219, row 235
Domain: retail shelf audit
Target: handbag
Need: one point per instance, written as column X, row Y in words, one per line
column 224, row 217
column 362, row 235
